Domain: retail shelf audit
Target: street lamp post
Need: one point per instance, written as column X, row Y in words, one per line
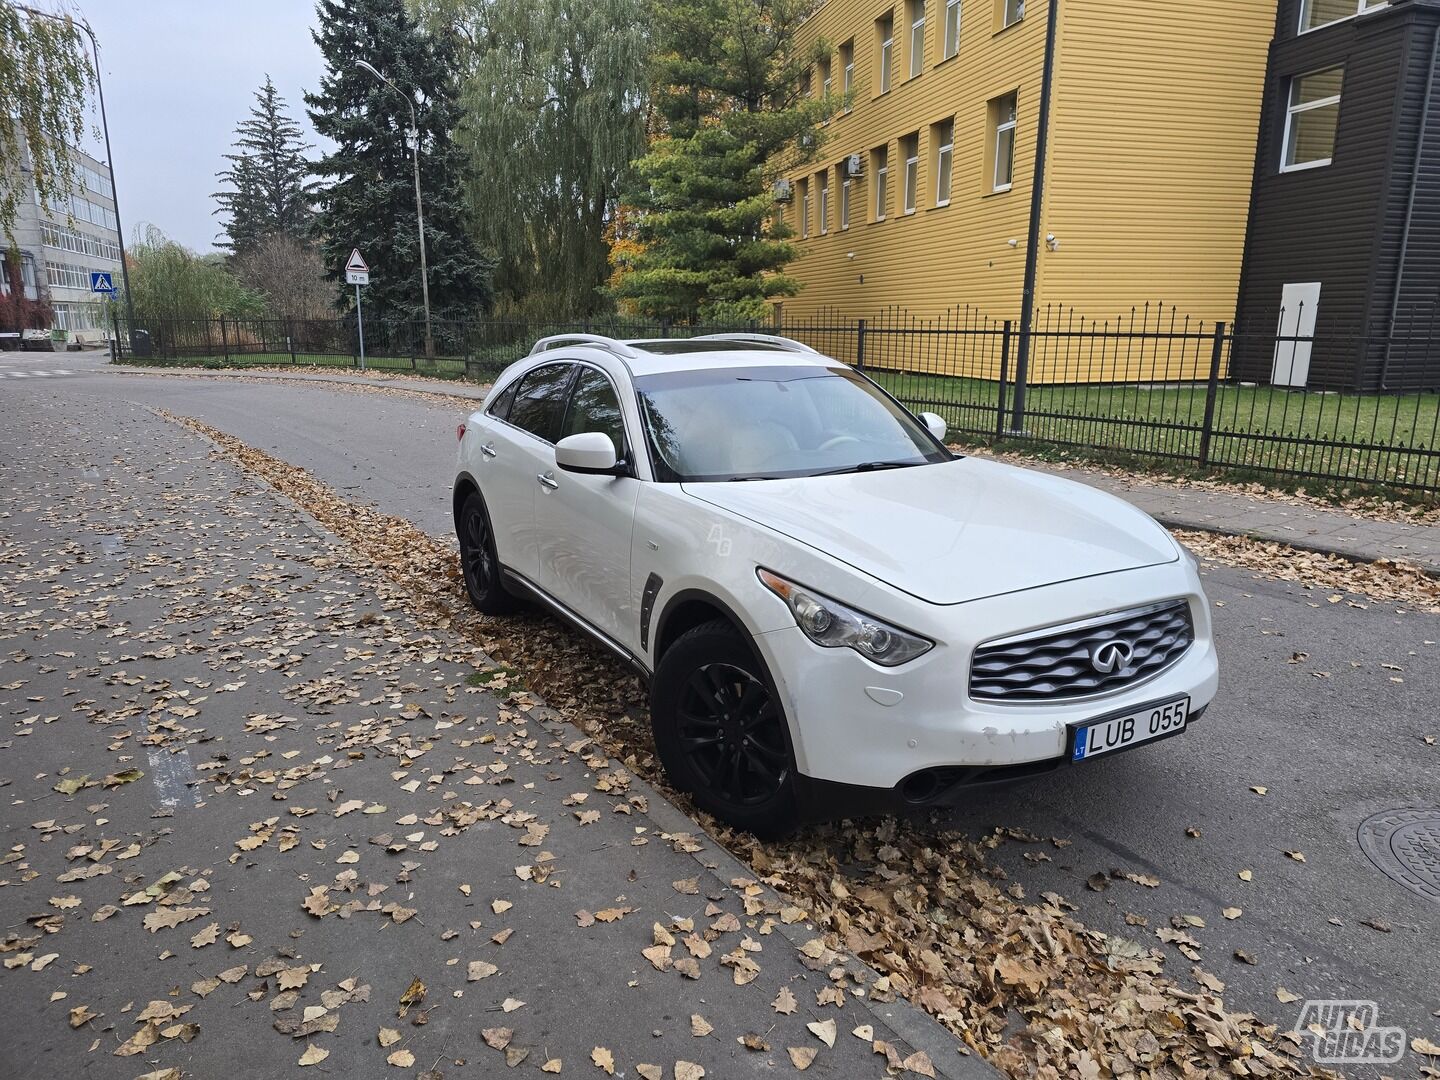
column 419, row 205
column 109, row 161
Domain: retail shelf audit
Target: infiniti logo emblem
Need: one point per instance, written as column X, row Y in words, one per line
column 1110, row 656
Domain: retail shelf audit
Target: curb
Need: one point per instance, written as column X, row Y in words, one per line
column 1355, row 557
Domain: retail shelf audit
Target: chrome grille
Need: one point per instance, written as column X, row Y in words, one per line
column 1057, row 663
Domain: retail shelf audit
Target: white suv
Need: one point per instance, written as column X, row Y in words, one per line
column 824, row 599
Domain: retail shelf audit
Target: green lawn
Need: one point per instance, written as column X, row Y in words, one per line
column 1369, row 438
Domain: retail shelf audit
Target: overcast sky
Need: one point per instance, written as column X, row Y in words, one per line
column 179, row 75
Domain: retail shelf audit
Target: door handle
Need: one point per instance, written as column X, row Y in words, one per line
column 488, row 449
column 548, row 480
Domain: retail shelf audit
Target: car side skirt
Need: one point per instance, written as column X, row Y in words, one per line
column 523, row 585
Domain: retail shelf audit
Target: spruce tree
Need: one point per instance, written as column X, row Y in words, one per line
column 367, row 195
column 727, row 87
column 269, row 193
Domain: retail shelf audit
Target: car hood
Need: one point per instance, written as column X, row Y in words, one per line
column 955, row 531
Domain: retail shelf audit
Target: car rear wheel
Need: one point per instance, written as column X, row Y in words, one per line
column 478, row 561
column 721, row 733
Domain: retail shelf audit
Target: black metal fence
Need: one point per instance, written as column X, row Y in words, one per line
column 1152, row 385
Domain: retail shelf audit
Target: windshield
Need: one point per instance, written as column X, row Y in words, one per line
column 765, row 423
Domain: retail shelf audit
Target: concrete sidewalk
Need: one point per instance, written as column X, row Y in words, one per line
column 419, row 385
column 259, row 794
column 1238, row 513
column 1181, row 506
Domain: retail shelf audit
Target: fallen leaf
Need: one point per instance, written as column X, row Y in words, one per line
column 401, row 1059
column 603, row 1059
column 1298, row 856
column 553, row 1066
column 1426, row 1047
column 801, row 1056
column 414, row 994
column 479, row 969
column 688, row 1070
column 919, row 1063
column 699, row 1026
column 498, row 1038
column 1285, row 996
column 784, row 1001
column 388, row 1036
column 313, row 1055
column 650, row 1072
column 1231, row 912
column 823, row 1030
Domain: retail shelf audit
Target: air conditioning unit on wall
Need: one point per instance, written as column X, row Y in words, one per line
column 855, row 165
column 783, row 191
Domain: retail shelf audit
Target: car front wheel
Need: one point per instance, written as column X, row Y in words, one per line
column 478, row 561
column 721, row 733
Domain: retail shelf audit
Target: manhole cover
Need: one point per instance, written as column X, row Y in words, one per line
column 1405, row 845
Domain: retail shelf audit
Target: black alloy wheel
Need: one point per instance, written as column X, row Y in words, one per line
column 721, row 733
column 478, row 561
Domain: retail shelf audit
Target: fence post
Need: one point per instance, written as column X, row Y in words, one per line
column 664, row 327
column 860, row 344
column 115, row 341
column 1212, row 388
column 1022, row 378
column 290, row 338
column 1004, row 376
column 224, row 339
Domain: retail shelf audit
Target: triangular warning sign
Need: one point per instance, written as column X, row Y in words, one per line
column 357, row 261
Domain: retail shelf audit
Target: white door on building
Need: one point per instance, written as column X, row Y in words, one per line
column 1294, row 335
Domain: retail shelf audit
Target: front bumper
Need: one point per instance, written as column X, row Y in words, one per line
column 855, row 723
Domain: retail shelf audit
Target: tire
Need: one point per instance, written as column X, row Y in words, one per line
column 478, row 561
column 721, row 732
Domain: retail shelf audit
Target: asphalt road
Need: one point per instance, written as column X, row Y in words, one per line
column 1333, row 737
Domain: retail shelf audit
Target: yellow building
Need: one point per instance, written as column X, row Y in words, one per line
column 919, row 197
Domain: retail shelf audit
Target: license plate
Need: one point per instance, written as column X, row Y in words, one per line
column 1112, row 733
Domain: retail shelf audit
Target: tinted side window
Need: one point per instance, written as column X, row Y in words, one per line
column 595, row 407
column 540, row 400
column 501, row 408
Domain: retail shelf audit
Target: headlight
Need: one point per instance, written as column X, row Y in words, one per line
column 830, row 623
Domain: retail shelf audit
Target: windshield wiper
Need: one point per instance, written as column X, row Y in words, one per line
column 870, row 466
column 742, row 479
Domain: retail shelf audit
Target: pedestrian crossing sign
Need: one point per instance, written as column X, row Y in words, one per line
column 102, row 281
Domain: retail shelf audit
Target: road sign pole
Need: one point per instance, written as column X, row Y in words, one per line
column 360, row 326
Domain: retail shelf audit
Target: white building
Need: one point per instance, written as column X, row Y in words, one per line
column 61, row 245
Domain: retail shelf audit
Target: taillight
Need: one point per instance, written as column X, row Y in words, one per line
column 460, row 433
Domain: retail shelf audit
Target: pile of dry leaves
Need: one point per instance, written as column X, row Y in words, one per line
column 1022, row 983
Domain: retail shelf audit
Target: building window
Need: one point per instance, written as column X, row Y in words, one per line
column 952, row 28
column 804, row 209
column 885, row 35
column 825, row 77
column 78, row 243
column 27, row 275
column 910, row 150
column 807, row 83
column 1002, row 122
column 880, row 169
column 845, row 203
column 1008, row 12
column 1311, row 119
column 824, row 183
column 847, row 70
column 72, row 316
column 942, row 137
column 66, row 276
column 1317, row 13
column 917, row 37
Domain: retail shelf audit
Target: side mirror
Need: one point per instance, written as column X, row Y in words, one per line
column 936, row 424
column 589, row 452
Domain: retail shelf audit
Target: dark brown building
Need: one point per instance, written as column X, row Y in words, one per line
column 1343, row 245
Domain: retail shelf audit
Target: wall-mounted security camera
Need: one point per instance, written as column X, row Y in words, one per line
column 1052, row 242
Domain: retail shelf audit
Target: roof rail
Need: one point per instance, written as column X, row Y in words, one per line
column 619, row 348
column 788, row 344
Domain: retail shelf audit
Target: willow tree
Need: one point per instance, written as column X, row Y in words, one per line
column 729, row 94
column 45, row 84
column 553, row 103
